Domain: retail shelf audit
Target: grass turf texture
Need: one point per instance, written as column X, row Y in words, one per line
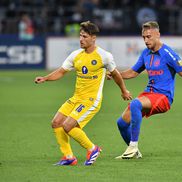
column 28, row 147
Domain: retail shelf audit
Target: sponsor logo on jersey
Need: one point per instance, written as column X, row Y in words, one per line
column 84, row 70
column 155, row 72
column 94, row 62
column 157, row 62
column 88, row 77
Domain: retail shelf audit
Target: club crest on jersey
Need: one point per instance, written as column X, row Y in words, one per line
column 157, row 62
column 84, row 70
column 180, row 62
column 94, row 62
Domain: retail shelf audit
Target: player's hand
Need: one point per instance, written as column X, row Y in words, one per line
column 108, row 76
column 126, row 95
column 40, row 79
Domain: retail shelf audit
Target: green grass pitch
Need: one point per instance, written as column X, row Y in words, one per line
column 28, row 147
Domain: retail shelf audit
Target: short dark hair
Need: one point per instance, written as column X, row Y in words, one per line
column 150, row 25
column 89, row 28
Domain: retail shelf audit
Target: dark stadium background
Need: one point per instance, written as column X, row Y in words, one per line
column 124, row 16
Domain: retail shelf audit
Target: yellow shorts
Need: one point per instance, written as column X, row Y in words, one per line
column 80, row 110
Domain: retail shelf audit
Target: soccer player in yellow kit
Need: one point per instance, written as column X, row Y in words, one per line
column 90, row 63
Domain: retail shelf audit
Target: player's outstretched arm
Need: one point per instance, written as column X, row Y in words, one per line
column 55, row 75
column 119, row 81
column 129, row 73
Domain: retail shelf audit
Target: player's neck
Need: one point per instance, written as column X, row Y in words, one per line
column 90, row 49
column 157, row 47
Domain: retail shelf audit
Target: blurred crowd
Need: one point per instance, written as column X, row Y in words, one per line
column 62, row 17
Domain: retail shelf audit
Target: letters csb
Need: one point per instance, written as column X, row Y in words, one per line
column 21, row 54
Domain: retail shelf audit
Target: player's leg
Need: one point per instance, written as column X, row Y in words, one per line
column 80, row 136
column 124, row 126
column 62, row 137
column 136, row 107
column 136, row 119
column 73, row 126
column 152, row 103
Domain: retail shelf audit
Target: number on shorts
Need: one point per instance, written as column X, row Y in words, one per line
column 80, row 107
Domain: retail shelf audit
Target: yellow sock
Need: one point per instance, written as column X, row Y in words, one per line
column 79, row 135
column 63, row 140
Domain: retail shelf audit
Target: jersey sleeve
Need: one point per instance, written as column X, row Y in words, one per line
column 139, row 65
column 68, row 63
column 109, row 63
column 174, row 61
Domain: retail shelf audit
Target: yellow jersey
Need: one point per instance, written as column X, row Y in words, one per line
column 90, row 72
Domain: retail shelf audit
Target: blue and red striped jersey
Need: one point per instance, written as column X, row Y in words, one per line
column 161, row 67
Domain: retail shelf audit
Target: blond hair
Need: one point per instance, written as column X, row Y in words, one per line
column 150, row 25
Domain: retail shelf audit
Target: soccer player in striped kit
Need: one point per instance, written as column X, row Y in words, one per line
column 90, row 63
column 161, row 64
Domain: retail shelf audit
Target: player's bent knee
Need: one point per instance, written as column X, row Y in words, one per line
column 58, row 120
column 66, row 127
column 135, row 104
column 56, row 124
column 126, row 116
column 121, row 123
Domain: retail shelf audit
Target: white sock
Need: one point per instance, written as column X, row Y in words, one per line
column 134, row 144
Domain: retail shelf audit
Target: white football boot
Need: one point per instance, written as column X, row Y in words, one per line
column 132, row 152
